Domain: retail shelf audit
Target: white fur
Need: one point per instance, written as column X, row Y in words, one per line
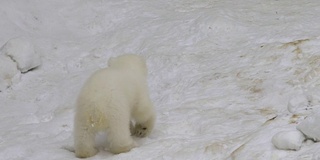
column 109, row 100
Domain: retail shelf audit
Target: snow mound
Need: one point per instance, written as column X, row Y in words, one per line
column 21, row 51
column 310, row 127
column 288, row 140
column 16, row 56
column 304, row 104
column 299, row 105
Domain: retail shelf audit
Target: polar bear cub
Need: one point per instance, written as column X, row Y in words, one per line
column 110, row 99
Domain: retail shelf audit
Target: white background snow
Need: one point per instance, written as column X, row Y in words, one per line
column 222, row 73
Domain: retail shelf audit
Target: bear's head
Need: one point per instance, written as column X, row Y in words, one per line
column 129, row 61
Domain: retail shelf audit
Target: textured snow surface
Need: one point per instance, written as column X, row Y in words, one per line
column 222, row 74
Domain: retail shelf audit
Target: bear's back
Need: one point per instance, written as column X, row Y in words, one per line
column 112, row 83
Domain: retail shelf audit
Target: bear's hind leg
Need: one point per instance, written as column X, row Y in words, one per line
column 84, row 142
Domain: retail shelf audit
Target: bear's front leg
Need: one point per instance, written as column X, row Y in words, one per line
column 144, row 116
column 144, row 129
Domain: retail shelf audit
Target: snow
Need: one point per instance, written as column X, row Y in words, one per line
column 288, row 140
column 299, row 105
column 305, row 103
column 21, row 51
column 16, row 56
column 222, row 74
column 310, row 127
column 8, row 72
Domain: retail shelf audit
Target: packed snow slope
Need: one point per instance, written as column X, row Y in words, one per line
column 221, row 74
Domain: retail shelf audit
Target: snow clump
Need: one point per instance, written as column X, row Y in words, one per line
column 288, row 140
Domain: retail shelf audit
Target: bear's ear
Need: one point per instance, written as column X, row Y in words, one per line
column 110, row 61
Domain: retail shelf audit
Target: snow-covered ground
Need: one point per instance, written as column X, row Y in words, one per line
column 225, row 75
